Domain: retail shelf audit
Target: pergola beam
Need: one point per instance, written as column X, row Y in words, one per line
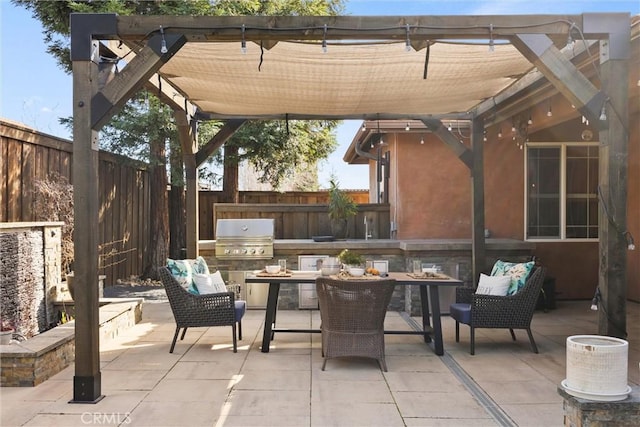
column 437, row 128
column 218, row 140
column 275, row 28
column 567, row 79
column 133, row 77
column 156, row 84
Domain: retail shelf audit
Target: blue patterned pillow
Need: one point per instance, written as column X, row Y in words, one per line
column 519, row 273
column 183, row 272
column 199, row 265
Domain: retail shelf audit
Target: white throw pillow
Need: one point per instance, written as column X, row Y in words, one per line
column 209, row 283
column 493, row 285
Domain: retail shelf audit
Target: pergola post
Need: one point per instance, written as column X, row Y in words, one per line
column 474, row 160
column 189, row 144
column 87, row 378
column 614, row 152
column 478, row 244
column 612, row 98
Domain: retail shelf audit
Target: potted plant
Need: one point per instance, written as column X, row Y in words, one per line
column 351, row 259
column 6, row 331
column 341, row 208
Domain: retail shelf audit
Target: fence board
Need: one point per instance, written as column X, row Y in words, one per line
column 27, row 155
column 3, row 182
column 14, row 204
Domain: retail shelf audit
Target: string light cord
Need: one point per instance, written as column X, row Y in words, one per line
column 597, row 303
column 625, row 233
column 401, row 28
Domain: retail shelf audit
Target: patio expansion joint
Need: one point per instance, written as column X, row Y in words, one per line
column 465, row 379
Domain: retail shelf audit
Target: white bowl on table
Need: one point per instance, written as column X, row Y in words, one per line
column 272, row 269
column 356, row 271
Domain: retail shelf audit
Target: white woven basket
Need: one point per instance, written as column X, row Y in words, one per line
column 597, row 367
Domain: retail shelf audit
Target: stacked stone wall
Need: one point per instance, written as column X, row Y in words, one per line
column 22, row 284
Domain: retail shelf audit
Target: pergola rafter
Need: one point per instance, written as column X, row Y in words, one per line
column 156, row 40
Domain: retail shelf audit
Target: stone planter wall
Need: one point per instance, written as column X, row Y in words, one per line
column 29, row 275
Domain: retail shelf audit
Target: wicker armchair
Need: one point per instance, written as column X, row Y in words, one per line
column 352, row 314
column 192, row 311
column 491, row 311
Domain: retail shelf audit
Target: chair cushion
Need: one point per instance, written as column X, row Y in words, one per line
column 461, row 312
column 241, row 307
column 493, row 285
column 184, row 269
column 519, row 272
column 209, row 283
column 199, row 265
column 183, row 272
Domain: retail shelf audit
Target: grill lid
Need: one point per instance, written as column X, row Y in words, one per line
column 247, row 228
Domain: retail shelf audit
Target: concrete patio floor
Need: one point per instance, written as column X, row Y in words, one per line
column 203, row 383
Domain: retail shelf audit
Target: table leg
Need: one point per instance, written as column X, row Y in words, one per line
column 270, row 315
column 434, row 295
column 426, row 322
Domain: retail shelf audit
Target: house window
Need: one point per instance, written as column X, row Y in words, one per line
column 562, row 191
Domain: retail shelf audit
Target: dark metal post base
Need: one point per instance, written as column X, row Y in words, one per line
column 87, row 389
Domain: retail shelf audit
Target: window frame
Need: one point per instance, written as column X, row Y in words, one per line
column 563, row 190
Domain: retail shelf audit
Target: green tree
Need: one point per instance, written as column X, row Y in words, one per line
column 144, row 128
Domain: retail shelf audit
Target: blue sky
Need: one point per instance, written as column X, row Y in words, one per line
column 34, row 91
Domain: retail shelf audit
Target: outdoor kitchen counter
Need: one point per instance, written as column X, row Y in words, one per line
column 404, row 245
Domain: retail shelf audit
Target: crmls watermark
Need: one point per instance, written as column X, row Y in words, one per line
column 101, row 418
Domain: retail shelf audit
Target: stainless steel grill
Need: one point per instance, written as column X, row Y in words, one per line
column 250, row 238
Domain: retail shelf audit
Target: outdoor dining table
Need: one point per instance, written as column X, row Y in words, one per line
column 428, row 292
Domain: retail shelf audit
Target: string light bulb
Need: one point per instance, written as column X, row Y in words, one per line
column 408, row 41
column 407, row 127
column 530, row 121
column 595, row 300
column 163, row 43
column 549, row 113
column 243, row 43
column 364, row 126
column 324, row 40
column 491, row 42
column 500, row 133
column 570, row 41
column 603, row 114
column 422, row 140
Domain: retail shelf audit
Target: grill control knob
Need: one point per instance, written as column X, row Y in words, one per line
column 244, row 251
column 252, row 251
column 260, row 250
column 227, row 251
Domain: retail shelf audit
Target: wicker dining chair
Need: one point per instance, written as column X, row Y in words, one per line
column 352, row 314
column 495, row 311
column 192, row 311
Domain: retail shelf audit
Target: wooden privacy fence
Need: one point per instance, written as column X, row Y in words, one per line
column 27, row 156
column 295, row 221
column 208, row 199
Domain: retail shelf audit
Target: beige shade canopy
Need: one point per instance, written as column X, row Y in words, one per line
column 349, row 80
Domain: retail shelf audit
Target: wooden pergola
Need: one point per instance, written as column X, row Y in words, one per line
column 155, row 40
